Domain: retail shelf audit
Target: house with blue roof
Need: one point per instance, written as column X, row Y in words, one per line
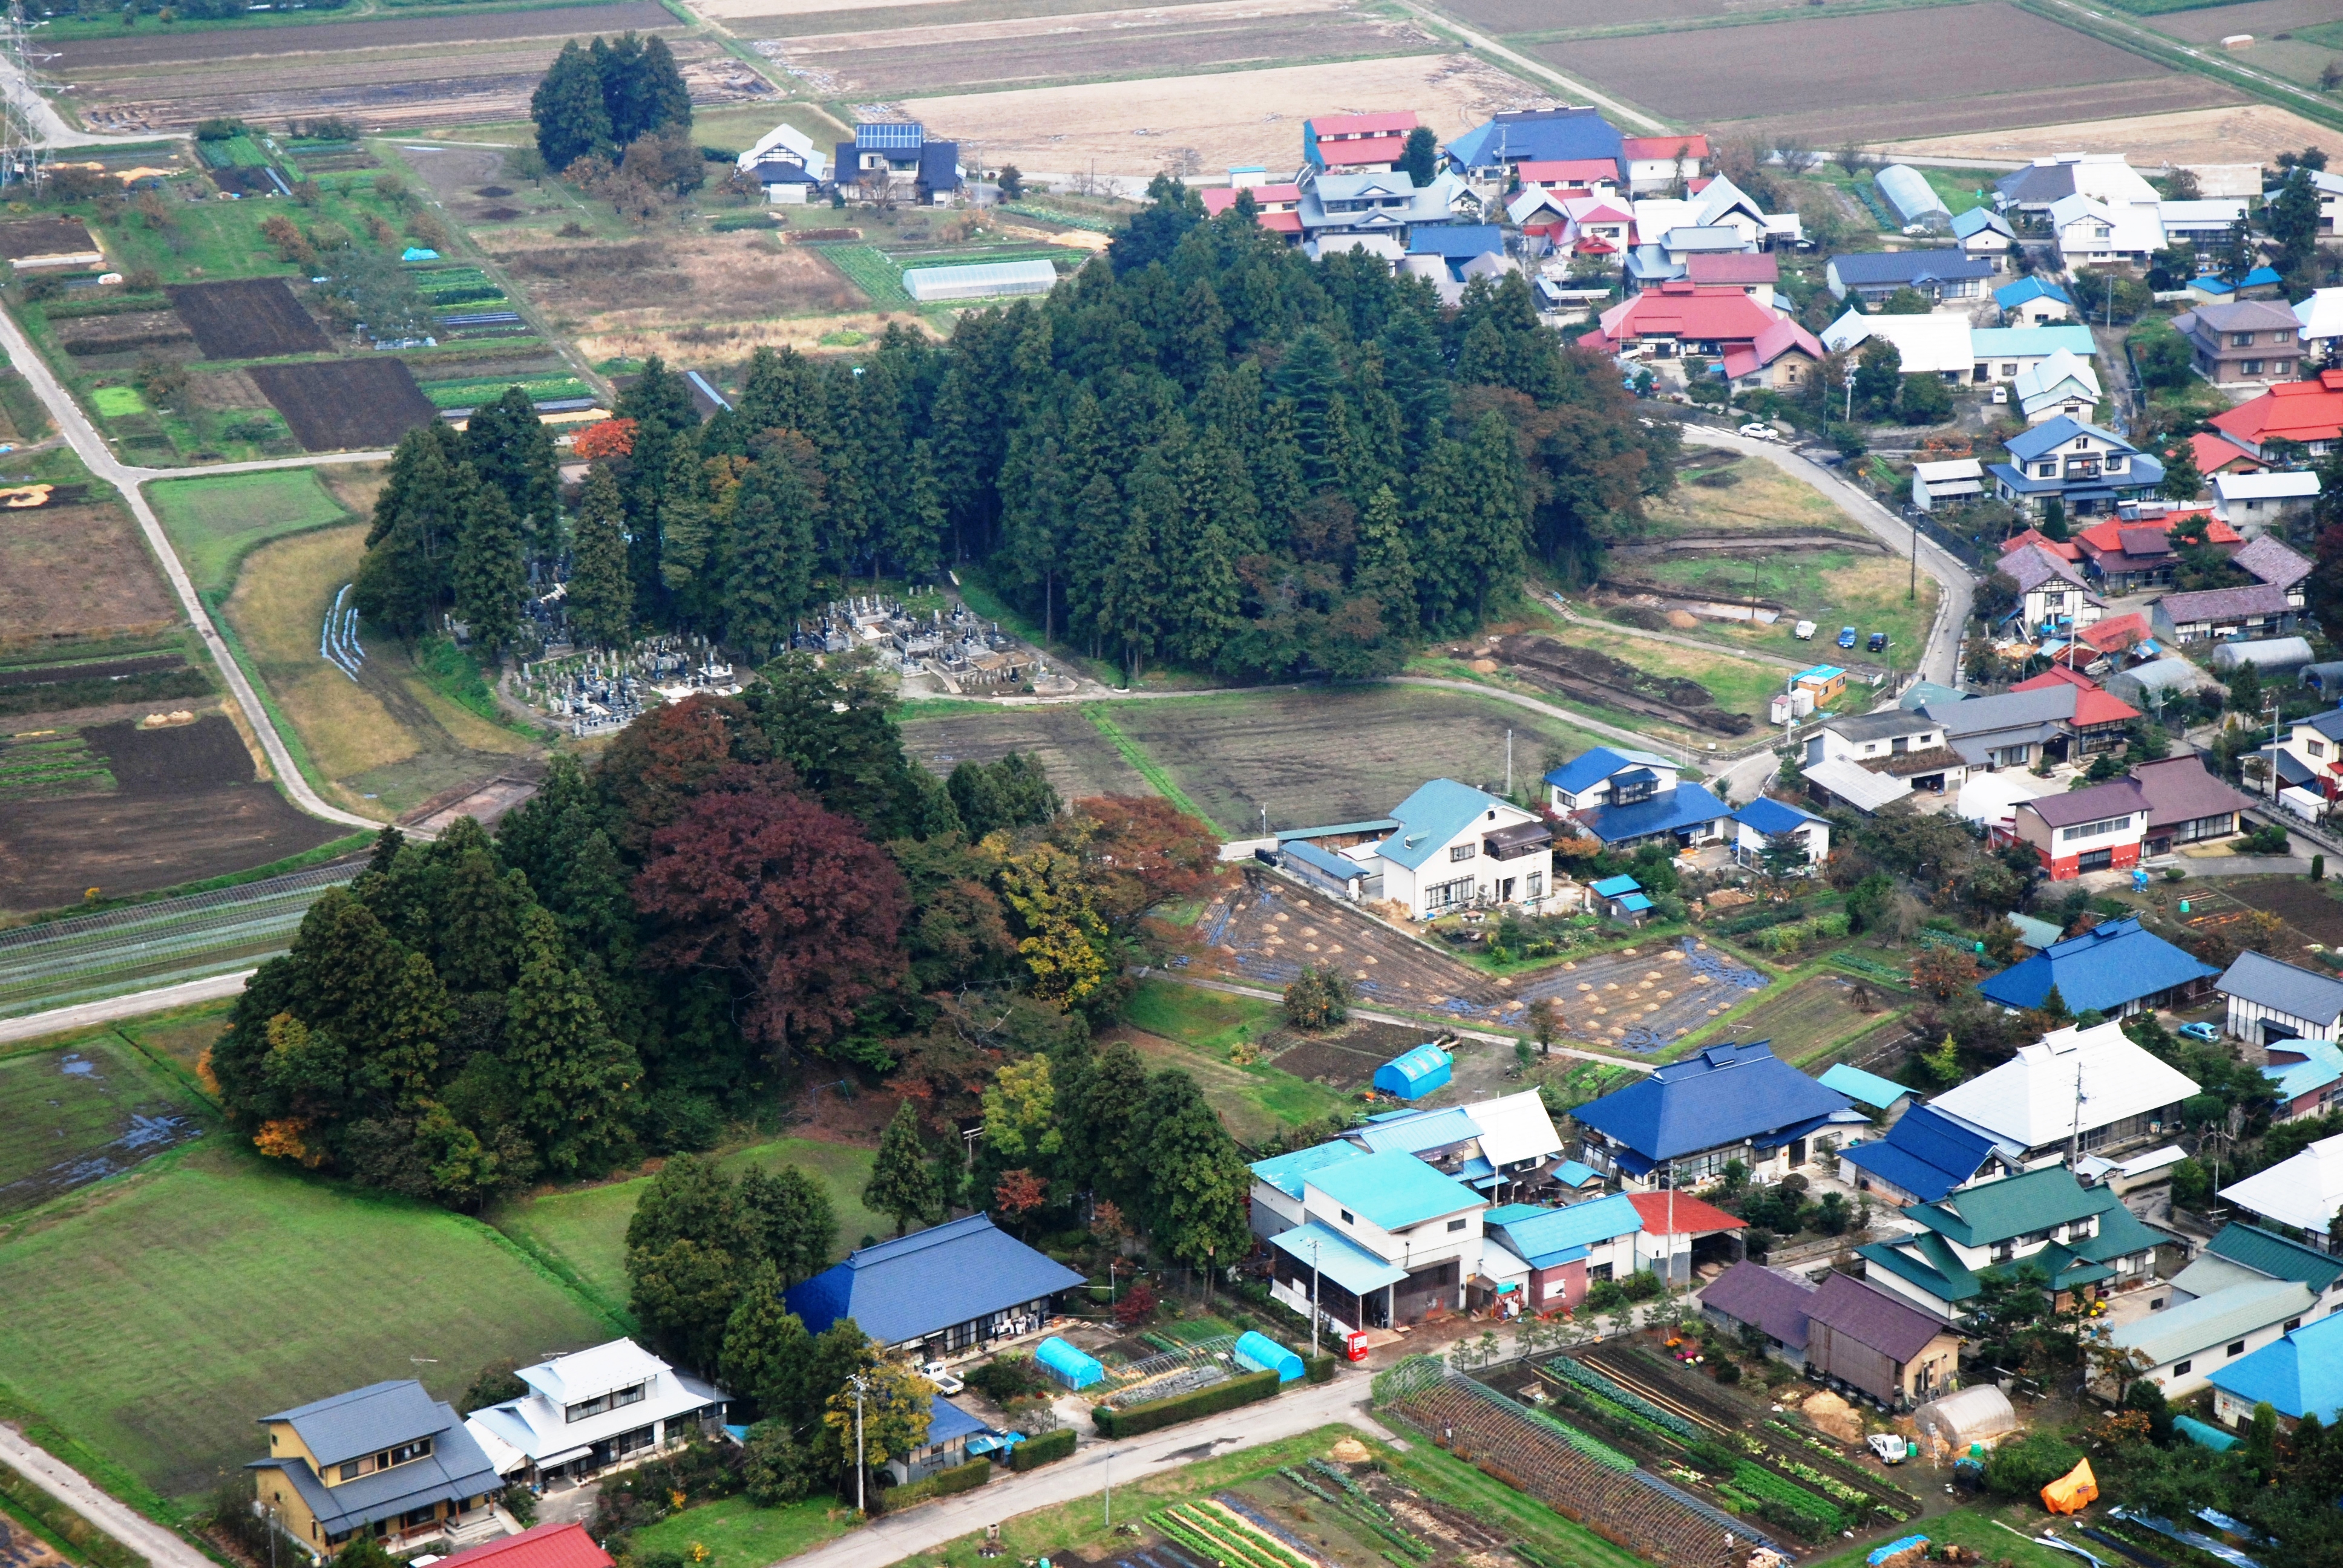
column 1392, row 1237
column 1766, row 820
column 1928, row 1154
column 386, row 1461
column 2090, row 471
column 1986, row 236
column 2032, row 302
column 1626, row 798
column 2300, row 1375
column 1682, row 1124
column 1495, row 148
column 2117, row 967
column 1556, row 1253
column 940, row 1290
column 1458, row 848
column 945, row 1445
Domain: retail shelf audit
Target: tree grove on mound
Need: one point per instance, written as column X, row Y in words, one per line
column 599, row 100
column 1203, row 449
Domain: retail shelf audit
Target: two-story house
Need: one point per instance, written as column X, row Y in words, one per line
column 2032, row 302
column 2087, row 470
column 2310, row 756
column 894, row 160
column 1680, row 1125
column 1675, row 320
column 386, row 1461
column 2095, row 829
column 2082, row 1238
column 1984, row 235
column 1925, row 1155
column 1356, row 144
column 1661, row 163
column 1905, row 744
column 2006, row 353
column 785, row 162
column 1506, row 1148
column 2253, row 343
column 2258, row 504
column 2310, row 412
column 2053, row 596
column 1765, row 821
column 2128, row 553
column 2093, row 233
column 1388, row 1238
column 1459, row 848
column 1628, row 797
column 616, row 1404
column 1558, row 1253
column 2061, row 384
column 2084, row 1090
column 1337, row 205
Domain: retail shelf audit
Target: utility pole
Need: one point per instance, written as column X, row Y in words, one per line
column 1509, row 764
column 1912, row 588
column 1314, row 1299
column 859, row 1385
column 1106, row 1461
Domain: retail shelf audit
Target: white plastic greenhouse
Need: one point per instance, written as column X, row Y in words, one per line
column 985, row 280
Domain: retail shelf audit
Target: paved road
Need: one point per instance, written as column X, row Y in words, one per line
column 115, row 1008
column 1086, row 1472
column 150, row 1541
column 75, row 427
column 309, row 460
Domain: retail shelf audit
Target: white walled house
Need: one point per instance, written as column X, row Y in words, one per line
column 1758, row 823
column 1457, row 847
column 616, row 1403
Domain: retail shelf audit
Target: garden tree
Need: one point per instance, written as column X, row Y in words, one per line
column 1944, row 971
column 1545, row 1021
column 2292, row 216
column 1021, row 1115
column 601, row 596
column 1053, row 915
column 1785, row 855
column 690, row 1199
column 2181, row 480
column 773, row 1470
column 1010, row 793
column 568, row 110
column 792, row 1219
column 496, row 1383
column 1102, row 1103
column 886, row 1407
column 2246, row 691
column 1420, row 158
column 765, row 1345
column 1017, row 1194
column 1318, row 998
column 404, row 578
column 684, row 1295
column 1923, row 399
column 901, row 1186
column 2324, row 590
column 1879, row 376
column 570, row 1075
column 2235, row 254
column 1197, row 1183
column 1906, row 301
column 1138, row 853
column 786, row 903
column 510, row 447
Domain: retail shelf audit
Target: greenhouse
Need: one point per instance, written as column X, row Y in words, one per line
column 1259, row 1352
column 1067, row 1364
column 986, row 280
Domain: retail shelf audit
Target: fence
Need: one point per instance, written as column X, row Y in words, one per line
column 157, row 944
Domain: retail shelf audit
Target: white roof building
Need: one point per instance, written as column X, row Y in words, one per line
column 2229, row 489
column 1857, row 785
column 2071, row 1081
column 2063, row 383
column 787, row 142
column 2091, row 231
column 594, row 1408
column 1939, row 344
column 2108, row 178
column 2304, row 1192
column 2321, row 314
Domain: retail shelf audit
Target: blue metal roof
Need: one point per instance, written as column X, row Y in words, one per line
column 1337, row 1257
column 1433, row 815
column 2051, row 433
column 1542, row 1237
column 1381, row 825
column 2020, row 342
column 364, row 1420
column 1575, row 1174
column 1867, row 1088
column 947, row 1422
column 2323, row 1065
column 1669, row 811
column 1333, row 865
column 1883, row 266
column 1538, row 134
column 1635, row 904
column 2301, row 1374
column 1285, row 1171
column 1723, row 1095
column 2026, row 289
column 2105, row 968
column 1456, row 241
column 1977, row 220
column 1615, row 886
column 930, row 1279
column 1395, row 1191
column 1422, row 1130
column 1769, row 816
column 1926, row 1154
column 1589, row 769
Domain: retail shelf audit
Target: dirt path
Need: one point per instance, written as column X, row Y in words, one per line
column 159, row 1546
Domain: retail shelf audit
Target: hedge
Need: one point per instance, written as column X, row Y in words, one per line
column 1210, row 1400
column 942, row 1484
column 1321, row 1369
column 63, row 1524
column 1036, row 1452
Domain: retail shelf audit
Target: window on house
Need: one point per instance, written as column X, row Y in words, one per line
column 1347, row 1220
column 423, row 1516
column 2249, row 366
column 2180, row 1369
column 1455, row 1225
column 1537, row 884
column 2236, row 1346
column 2241, row 341
column 2316, row 748
column 612, row 1400
column 1460, row 852
column 2290, row 1325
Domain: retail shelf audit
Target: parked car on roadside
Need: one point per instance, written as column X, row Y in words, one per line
column 1878, row 641
column 1803, row 632
column 1846, row 637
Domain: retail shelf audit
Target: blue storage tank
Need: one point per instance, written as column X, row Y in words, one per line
column 1417, row 1072
column 1261, row 1353
column 1067, row 1364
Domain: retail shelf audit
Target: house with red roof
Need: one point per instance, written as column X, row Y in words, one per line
column 2216, row 454
column 1277, row 208
column 1681, row 1233
column 2127, row 555
column 2310, row 412
column 2119, row 639
column 541, row 1546
column 2099, row 718
column 1579, row 176
column 1356, row 144
column 1680, row 319
column 1755, row 274
column 2065, row 549
column 1655, row 162
column 1782, row 358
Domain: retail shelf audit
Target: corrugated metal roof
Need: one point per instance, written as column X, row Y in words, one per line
column 1774, row 1300
column 1538, row 1236
column 1395, row 1191
column 2300, row 1374
column 1720, row 1096
column 2178, row 1332
column 1669, row 811
column 2103, row 969
column 1870, row 1316
column 1431, row 1129
column 1868, row 1088
column 364, row 1420
column 930, row 1280
column 1285, row 1171
column 1857, row 785
column 541, row 1546
column 1437, row 811
column 2275, row 1256
column 2286, row 988
column 1337, row 1257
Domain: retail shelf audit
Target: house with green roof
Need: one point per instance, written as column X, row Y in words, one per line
column 1456, row 848
column 2082, row 1238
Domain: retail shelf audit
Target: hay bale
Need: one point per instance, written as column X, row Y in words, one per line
column 1484, row 667
column 1829, row 1414
column 1351, row 1451
column 1682, row 619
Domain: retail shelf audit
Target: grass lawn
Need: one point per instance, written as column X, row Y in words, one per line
column 214, row 522
column 1738, row 684
column 737, row 1533
column 1761, row 498
column 155, row 1316
column 1974, row 1526
column 210, row 240
column 114, row 402
column 1831, row 587
column 1207, row 1019
column 62, row 1108
column 583, row 1230
column 1190, row 1027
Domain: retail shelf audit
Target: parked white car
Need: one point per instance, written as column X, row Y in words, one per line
column 1758, row 432
column 946, row 1384
column 1805, row 631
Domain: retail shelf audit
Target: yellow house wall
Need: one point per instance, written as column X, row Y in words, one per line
column 275, row 1490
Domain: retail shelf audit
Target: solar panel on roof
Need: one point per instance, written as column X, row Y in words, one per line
column 891, row 136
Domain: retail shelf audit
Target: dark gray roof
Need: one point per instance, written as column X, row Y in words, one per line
column 2220, row 604
column 2179, row 790
column 1873, row 268
column 2115, row 797
column 2037, row 184
column 1884, row 726
column 2005, row 710
column 1870, row 1316
column 1776, row 1301
column 364, row 1420
column 2284, row 988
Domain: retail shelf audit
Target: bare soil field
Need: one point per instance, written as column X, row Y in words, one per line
column 676, row 284
column 1079, row 760
column 132, row 332
column 1882, row 68
column 77, row 572
column 1232, row 118
column 253, row 318
column 160, row 47
column 1123, row 42
column 1532, row 16
column 44, row 236
column 345, row 405
column 778, row 18
column 2238, row 132
column 187, row 805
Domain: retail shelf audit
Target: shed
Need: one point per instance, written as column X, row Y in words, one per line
column 1844, row 778
column 1261, row 1353
column 1978, row 1415
column 1067, row 1364
column 1864, row 1088
column 986, row 280
column 2269, row 654
column 1415, row 1073
column 1914, row 199
column 1322, row 868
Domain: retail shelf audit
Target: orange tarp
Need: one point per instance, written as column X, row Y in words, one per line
column 2073, row 1490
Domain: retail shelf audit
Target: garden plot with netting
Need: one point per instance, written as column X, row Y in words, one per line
column 1180, row 1364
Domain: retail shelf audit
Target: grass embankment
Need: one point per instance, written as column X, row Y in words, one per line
column 1189, row 1026
column 1149, row 768
column 213, row 523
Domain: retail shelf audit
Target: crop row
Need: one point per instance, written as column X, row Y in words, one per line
column 1593, row 1447
column 1760, row 1482
column 1364, row 1510
column 1587, row 1377
column 1225, row 1538
column 868, row 271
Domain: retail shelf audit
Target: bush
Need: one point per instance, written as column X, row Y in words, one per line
column 1037, row 1452
column 2022, row 1467
column 1321, row 1369
column 1238, row 1390
column 1008, row 1377
column 942, row 1484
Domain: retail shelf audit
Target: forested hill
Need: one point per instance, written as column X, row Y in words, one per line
column 1204, row 448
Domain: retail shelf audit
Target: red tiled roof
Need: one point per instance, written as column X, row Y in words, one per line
column 1691, row 1217
column 2114, row 635
column 1682, row 310
column 1395, row 123
column 1694, row 147
column 542, row 1546
column 1217, row 202
column 1761, row 267
column 1566, row 171
column 2216, row 454
column 2097, row 707
column 2065, row 549
column 2057, row 675
column 2293, row 411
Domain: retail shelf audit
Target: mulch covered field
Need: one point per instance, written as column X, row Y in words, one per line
column 253, row 318
column 345, row 405
column 185, row 805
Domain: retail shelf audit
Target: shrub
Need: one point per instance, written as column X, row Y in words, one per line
column 1037, row 1452
column 1320, row 1369
column 2022, row 1467
column 942, row 1484
column 1220, row 1396
column 1008, row 1377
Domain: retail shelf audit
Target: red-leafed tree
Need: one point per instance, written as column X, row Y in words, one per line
column 1018, row 1193
column 664, row 759
column 1142, row 852
column 788, row 899
column 605, row 438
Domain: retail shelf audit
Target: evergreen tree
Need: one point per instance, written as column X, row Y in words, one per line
column 2182, row 479
column 1385, row 573
column 1196, row 1179
column 901, row 1186
column 793, row 1218
column 510, row 447
column 405, row 579
column 1420, row 159
column 568, row 108
column 770, row 552
column 601, row 594
column 619, row 65
column 766, row 1347
column 666, row 101
column 491, row 575
column 571, row 1074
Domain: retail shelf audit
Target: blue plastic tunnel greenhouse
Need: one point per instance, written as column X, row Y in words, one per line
column 1067, row 1364
column 1261, row 1353
column 1417, row 1072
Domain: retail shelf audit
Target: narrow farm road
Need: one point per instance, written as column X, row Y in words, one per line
column 1940, row 659
column 115, row 1008
column 1091, row 1467
column 260, row 464
column 141, row 1534
column 91, row 448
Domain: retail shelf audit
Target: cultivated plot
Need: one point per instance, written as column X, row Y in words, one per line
column 1080, row 761
column 345, row 405
column 77, row 1115
column 252, row 318
column 1881, row 72
column 2247, row 133
column 69, row 572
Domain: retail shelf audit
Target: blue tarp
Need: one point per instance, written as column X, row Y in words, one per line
column 1261, row 1353
column 1892, row 1547
column 1067, row 1364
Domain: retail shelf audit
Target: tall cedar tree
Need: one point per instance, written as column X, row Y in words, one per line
column 600, row 594
column 491, row 568
column 901, row 1185
column 571, row 120
column 511, row 448
column 572, row 1075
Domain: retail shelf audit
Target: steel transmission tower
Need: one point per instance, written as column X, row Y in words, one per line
column 23, row 114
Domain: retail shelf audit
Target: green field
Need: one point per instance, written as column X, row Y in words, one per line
column 214, row 522
column 1193, row 1028
column 114, row 402
column 737, row 1533
column 1207, row 1019
column 584, row 1230
column 1975, row 1527
column 154, row 1318
column 67, row 1114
